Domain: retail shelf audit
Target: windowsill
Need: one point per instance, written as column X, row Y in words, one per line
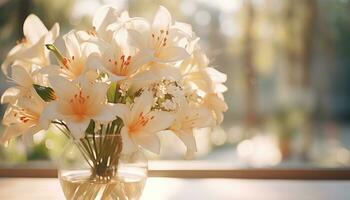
column 193, row 169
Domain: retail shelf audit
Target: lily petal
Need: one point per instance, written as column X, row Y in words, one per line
column 105, row 16
column 12, row 131
column 97, row 91
column 53, row 33
column 160, row 120
column 149, row 141
column 72, row 44
column 62, row 87
column 10, row 95
column 107, row 113
column 78, row 128
column 141, row 58
column 172, row 54
column 28, row 135
column 143, row 104
column 33, row 28
column 188, row 139
column 49, row 113
column 162, row 19
column 128, row 145
column 21, row 76
column 136, row 39
column 216, row 75
column 122, row 111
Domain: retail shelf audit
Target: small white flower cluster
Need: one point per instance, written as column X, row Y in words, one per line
column 149, row 76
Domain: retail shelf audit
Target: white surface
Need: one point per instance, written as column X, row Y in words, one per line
column 188, row 189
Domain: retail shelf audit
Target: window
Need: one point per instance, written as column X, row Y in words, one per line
column 288, row 86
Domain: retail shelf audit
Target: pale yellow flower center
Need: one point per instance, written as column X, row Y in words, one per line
column 120, row 67
column 26, row 116
column 159, row 40
column 72, row 67
column 79, row 105
column 140, row 122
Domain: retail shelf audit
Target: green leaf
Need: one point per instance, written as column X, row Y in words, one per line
column 46, row 93
column 56, row 52
column 91, row 128
column 112, row 93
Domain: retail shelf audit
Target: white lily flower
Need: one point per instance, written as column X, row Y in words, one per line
column 77, row 104
column 22, row 118
column 157, row 72
column 76, row 60
column 141, row 124
column 161, row 38
column 31, row 50
column 187, row 118
column 119, row 60
column 109, row 23
column 197, row 59
column 24, row 85
column 217, row 104
column 195, row 71
column 124, row 23
column 104, row 17
column 208, row 80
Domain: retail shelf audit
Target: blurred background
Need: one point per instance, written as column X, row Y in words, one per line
column 288, row 67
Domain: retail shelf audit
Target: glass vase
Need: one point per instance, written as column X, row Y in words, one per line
column 94, row 168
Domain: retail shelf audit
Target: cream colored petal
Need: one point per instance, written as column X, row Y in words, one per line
column 216, row 101
column 114, row 78
column 162, row 19
column 123, row 111
column 33, row 28
column 115, row 27
column 21, row 76
column 143, row 104
column 120, row 36
column 49, row 113
column 9, row 116
column 89, row 48
column 94, row 62
column 10, row 95
column 105, row 16
column 50, row 70
column 53, row 34
column 172, row 54
column 188, row 139
column 220, row 88
column 12, row 131
column 184, row 27
column 107, row 113
column 159, row 120
column 96, row 91
column 28, row 135
column 63, row 88
column 143, row 78
column 35, row 54
column 34, row 105
column 148, row 141
column 141, row 58
column 11, row 56
column 219, row 117
column 78, row 128
column 128, row 144
column 166, row 71
column 72, row 45
column 137, row 39
column 197, row 117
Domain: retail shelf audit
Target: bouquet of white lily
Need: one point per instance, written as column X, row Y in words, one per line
column 126, row 76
